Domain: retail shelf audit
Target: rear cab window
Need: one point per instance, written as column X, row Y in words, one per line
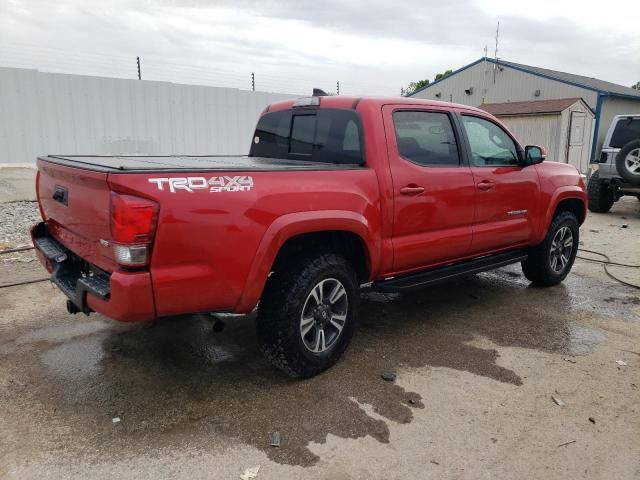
column 327, row 135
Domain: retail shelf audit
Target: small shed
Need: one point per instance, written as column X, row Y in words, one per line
column 564, row 127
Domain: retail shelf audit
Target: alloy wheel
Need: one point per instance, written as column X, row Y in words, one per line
column 324, row 315
column 561, row 249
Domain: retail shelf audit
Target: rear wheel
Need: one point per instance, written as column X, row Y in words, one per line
column 550, row 262
column 600, row 195
column 307, row 314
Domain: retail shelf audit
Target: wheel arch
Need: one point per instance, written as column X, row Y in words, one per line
column 344, row 242
column 573, row 205
column 572, row 199
column 337, row 231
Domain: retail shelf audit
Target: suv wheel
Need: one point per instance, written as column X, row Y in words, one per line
column 600, row 195
column 628, row 162
column 551, row 261
column 307, row 314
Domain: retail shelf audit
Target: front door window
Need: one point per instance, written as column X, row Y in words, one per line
column 490, row 145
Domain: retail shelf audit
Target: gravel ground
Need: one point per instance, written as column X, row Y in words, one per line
column 15, row 220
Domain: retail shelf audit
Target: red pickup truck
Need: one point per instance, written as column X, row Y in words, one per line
column 336, row 192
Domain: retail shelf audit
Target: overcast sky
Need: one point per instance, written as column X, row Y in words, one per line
column 370, row 46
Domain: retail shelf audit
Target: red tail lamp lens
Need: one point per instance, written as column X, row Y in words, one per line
column 133, row 219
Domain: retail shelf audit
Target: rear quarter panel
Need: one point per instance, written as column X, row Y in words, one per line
column 207, row 243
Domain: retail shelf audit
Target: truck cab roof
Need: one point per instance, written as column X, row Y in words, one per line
column 352, row 102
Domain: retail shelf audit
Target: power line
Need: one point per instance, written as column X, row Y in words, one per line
column 115, row 66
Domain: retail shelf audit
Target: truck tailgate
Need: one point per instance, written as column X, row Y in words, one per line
column 76, row 205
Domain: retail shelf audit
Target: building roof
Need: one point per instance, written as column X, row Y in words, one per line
column 528, row 108
column 590, row 83
column 581, row 80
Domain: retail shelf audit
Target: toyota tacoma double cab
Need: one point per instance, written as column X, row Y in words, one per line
column 616, row 172
column 336, row 193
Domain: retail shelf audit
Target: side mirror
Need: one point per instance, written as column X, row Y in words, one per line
column 534, row 154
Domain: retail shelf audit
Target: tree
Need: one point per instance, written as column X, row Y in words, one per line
column 413, row 86
column 443, row 74
column 636, row 86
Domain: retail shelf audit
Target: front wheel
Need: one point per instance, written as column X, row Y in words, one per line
column 550, row 262
column 307, row 314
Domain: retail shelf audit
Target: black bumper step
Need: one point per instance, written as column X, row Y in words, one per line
column 448, row 273
column 71, row 274
column 51, row 249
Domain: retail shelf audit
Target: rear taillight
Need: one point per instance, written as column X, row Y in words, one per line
column 133, row 225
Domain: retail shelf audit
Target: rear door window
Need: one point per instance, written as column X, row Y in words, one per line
column 426, row 138
column 626, row 130
column 321, row 135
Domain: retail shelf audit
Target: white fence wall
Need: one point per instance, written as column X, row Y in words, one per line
column 50, row 113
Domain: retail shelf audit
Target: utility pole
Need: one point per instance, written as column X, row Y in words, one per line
column 139, row 74
column 253, row 82
column 484, row 76
column 495, row 54
column 338, row 88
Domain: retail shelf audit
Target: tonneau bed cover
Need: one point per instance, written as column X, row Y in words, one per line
column 169, row 163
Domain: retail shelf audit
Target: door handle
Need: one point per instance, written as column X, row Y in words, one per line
column 412, row 189
column 485, row 185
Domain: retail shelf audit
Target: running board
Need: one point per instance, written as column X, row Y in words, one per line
column 447, row 273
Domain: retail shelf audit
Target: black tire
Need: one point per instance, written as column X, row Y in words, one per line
column 281, row 307
column 600, row 195
column 538, row 267
column 630, row 176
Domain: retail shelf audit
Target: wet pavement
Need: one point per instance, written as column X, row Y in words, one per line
column 176, row 376
column 178, row 387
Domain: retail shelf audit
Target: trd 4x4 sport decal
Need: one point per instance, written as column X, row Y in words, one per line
column 240, row 183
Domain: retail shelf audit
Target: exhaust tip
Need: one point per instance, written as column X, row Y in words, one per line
column 218, row 326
